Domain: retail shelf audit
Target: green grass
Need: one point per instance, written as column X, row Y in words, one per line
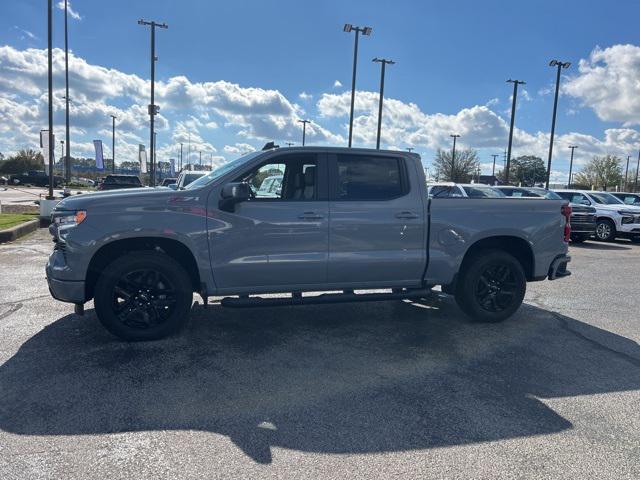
column 8, row 220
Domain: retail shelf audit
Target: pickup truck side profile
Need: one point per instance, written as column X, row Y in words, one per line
column 342, row 220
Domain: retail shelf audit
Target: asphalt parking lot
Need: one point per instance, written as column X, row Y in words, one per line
column 373, row 390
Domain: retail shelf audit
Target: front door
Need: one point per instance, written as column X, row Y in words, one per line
column 277, row 240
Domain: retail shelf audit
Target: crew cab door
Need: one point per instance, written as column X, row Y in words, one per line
column 377, row 225
column 277, row 240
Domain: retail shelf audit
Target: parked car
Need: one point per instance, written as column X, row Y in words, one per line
column 463, row 190
column 117, row 182
column 36, row 178
column 168, row 181
column 632, row 199
column 188, row 176
column 345, row 219
column 583, row 217
column 614, row 219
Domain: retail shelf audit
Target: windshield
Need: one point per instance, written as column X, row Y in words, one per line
column 630, row 199
column 548, row 194
column 606, row 199
column 483, row 192
column 220, row 171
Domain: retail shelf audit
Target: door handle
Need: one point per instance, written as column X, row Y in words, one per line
column 310, row 216
column 407, row 215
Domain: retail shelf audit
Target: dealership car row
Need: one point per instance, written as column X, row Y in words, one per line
column 605, row 216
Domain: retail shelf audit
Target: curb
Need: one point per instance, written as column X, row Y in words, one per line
column 13, row 233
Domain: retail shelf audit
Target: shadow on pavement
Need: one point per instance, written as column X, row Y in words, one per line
column 359, row 378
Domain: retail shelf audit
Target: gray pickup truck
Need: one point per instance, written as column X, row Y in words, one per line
column 341, row 221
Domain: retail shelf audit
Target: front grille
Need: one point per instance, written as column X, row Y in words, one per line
column 583, row 218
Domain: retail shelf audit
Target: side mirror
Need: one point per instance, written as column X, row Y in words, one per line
column 233, row 193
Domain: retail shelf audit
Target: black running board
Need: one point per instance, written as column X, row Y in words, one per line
column 297, row 299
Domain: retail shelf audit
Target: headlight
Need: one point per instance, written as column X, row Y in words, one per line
column 627, row 212
column 63, row 219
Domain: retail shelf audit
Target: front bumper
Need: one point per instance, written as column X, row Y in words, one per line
column 66, row 291
column 558, row 267
column 583, row 228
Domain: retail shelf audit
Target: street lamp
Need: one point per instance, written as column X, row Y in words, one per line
column 495, row 155
column 410, row 149
column 383, row 63
column 560, row 66
column 366, row 31
column 304, row 129
column 289, row 144
column 626, row 172
column 513, row 118
column 113, row 143
column 572, row 147
column 453, row 155
column 50, row 93
column 67, row 160
column 635, row 184
column 153, row 108
column 180, row 156
column 61, row 152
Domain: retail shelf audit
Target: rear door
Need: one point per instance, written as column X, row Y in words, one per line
column 377, row 222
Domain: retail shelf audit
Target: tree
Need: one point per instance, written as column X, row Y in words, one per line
column 601, row 172
column 526, row 170
column 460, row 170
column 22, row 161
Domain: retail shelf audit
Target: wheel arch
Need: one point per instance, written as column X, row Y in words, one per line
column 516, row 246
column 117, row 248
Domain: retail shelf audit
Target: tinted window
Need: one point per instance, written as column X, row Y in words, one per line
column 368, row 178
column 122, row 180
column 573, row 197
column 605, row 199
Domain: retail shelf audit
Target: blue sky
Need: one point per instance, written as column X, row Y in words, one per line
column 233, row 74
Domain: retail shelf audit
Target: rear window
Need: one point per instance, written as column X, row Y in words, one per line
column 369, row 178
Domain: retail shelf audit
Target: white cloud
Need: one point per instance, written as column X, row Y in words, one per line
column 608, row 83
column 305, row 96
column 239, row 148
column 72, row 13
column 337, row 84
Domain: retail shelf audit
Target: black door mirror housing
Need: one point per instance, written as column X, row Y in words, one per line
column 233, row 193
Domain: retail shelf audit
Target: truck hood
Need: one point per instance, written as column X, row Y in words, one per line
column 616, row 208
column 134, row 195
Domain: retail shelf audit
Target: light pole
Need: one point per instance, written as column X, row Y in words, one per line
column 200, row 158
column 113, row 143
column 626, row 172
column 635, row 184
column 50, row 86
column 67, row 160
column 180, row 156
column 513, row 118
column 453, row 155
column 289, row 144
column 189, row 151
column 153, row 108
column 495, row 155
column 572, row 147
column 304, row 129
column 410, row 149
column 383, row 63
column 366, row 31
column 560, row 66
column 61, row 153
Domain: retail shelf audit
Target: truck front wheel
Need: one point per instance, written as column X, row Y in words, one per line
column 143, row 296
column 491, row 286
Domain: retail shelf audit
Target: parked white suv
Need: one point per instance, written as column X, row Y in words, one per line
column 615, row 219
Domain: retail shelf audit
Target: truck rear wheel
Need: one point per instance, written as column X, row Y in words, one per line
column 143, row 296
column 491, row 286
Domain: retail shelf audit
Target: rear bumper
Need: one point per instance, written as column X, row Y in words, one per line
column 558, row 268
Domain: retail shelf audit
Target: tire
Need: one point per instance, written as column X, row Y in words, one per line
column 579, row 239
column 635, row 239
column 605, row 230
column 491, row 286
column 143, row 296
